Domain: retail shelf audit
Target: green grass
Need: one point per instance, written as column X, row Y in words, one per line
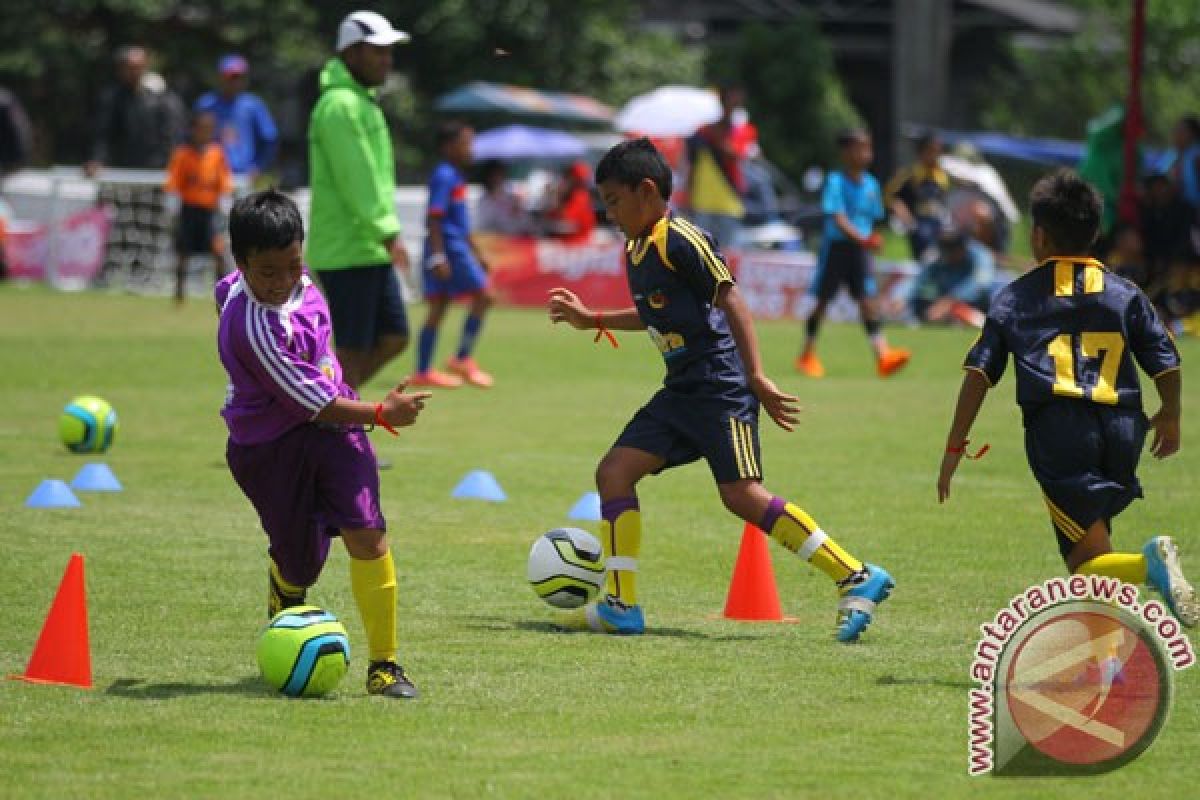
column 699, row 708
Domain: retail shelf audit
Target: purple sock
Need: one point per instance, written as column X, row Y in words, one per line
column 772, row 514
column 611, row 509
column 425, row 344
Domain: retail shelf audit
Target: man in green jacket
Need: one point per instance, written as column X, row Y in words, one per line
column 354, row 235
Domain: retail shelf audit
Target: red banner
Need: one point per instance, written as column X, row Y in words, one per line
column 774, row 282
column 71, row 260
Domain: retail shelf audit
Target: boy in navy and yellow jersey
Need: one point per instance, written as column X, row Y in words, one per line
column 1077, row 334
column 685, row 298
column 853, row 206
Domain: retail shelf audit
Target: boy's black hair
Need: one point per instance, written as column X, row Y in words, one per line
column 1068, row 209
column 266, row 220
column 447, row 131
column 848, row 136
column 631, row 162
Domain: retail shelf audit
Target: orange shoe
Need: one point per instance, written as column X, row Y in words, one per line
column 468, row 370
column 810, row 365
column 432, row 379
column 892, row 361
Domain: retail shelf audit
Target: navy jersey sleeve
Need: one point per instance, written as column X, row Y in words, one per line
column 989, row 354
column 1149, row 340
column 696, row 259
column 441, row 187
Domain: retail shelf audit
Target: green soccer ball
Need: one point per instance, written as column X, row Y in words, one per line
column 303, row 652
column 87, row 425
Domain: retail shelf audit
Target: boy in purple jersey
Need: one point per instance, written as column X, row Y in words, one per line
column 297, row 443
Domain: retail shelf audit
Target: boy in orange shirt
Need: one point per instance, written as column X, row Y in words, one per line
column 199, row 176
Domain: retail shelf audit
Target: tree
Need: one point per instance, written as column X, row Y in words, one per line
column 793, row 95
column 1054, row 90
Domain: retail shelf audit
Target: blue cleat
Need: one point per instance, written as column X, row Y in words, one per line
column 607, row 615
column 1164, row 573
column 857, row 606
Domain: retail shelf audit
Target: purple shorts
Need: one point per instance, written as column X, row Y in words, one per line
column 306, row 486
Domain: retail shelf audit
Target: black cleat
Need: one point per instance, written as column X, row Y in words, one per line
column 387, row 678
column 278, row 599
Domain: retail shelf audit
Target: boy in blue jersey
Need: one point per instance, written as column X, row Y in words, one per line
column 453, row 267
column 1077, row 334
column 685, row 298
column 853, row 204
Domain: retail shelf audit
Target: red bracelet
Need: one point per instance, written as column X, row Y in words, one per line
column 381, row 422
column 603, row 331
column 962, row 450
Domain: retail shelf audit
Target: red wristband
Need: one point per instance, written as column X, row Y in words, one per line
column 603, row 331
column 381, row 422
column 962, row 450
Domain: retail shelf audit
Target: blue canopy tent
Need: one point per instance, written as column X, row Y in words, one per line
column 501, row 101
column 523, row 141
column 1058, row 152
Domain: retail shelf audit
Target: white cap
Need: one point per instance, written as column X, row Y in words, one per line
column 369, row 27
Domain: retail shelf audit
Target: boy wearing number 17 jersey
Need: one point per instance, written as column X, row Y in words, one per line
column 1077, row 334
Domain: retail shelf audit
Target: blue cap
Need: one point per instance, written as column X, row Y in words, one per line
column 232, row 64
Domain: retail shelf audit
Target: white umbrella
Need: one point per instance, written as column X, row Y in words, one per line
column 669, row 111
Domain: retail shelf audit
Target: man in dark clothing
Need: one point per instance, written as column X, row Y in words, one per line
column 138, row 122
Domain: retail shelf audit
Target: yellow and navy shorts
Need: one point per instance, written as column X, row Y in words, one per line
column 1085, row 458
column 683, row 427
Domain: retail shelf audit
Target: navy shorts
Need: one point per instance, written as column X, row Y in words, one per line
column 467, row 275
column 681, row 427
column 307, row 486
column 194, row 234
column 1085, row 457
column 365, row 304
column 843, row 263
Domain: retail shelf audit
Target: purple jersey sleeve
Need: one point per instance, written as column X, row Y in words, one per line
column 271, row 349
column 1149, row 340
column 989, row 354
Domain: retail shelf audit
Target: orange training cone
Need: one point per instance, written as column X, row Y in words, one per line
column 752, row 593
column 62, row 655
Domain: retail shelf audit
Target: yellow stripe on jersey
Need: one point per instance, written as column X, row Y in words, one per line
column 739, row 455
column 1064, row 278
column 748, row 439
column 1070, row 528
column 694, row 235
column 1093, row 279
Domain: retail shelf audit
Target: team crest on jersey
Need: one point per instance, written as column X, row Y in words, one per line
column 326, row 367
column 657, row 299
column 669, row 344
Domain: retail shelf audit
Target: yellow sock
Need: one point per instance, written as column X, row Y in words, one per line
column 374, row 585
column 800, row 533
column 1129, row 567
column 621, row 540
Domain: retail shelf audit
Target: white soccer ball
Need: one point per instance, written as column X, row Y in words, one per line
column 566, row 567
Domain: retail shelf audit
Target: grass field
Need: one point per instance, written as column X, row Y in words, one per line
column 699, row 707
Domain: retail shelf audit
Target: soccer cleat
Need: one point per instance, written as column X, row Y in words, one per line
column 892, row 361
column 433, row 379
column 1164, row 573
column 468, row 370
column 278, row 599
column 606, row 616
column 387, row 678
column 810, row 365
column 857, row 605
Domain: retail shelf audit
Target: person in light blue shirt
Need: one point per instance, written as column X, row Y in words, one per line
column 245, row 127
column 853, row 205
column 957, row 285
